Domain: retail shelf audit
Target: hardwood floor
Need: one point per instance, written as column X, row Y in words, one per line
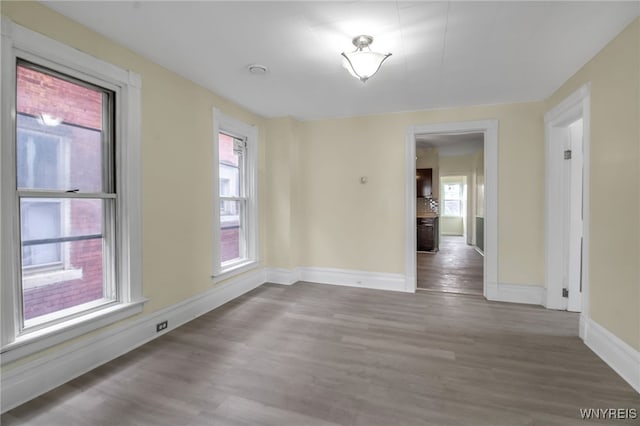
column 456, row 268
column 312, row 354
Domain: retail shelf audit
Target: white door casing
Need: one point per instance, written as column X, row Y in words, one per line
column 566, row 203
column 490, row 130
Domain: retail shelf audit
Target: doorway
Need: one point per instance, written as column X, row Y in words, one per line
column 489, row 223
column 452, row 211
column 566, row 202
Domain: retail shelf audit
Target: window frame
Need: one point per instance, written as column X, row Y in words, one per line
column 237, row 129
column 459, row 200
column 21, row 43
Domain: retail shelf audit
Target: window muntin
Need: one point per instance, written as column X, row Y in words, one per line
column 65, row 182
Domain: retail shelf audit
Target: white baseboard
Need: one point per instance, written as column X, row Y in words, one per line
column 34, row 378
column 582, row 326
column 282, row 276
column 624, row 359
column 516, row 293
column 351, row 278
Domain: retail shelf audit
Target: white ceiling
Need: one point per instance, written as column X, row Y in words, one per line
column 445, row 54
column 451, row 145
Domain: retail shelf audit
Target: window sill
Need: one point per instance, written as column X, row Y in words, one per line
column 234, row 270
column 39, row 340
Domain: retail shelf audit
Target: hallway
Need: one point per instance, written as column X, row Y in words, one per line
column 456, row 268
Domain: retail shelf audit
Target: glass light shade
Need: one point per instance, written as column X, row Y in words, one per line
column 363, row 64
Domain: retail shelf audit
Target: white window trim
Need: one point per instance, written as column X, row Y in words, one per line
column 226, row 124
column 18, row 41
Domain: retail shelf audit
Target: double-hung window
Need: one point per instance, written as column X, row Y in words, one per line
column 69, row 193
column 65, row 194
column 452, row 200
column 235, row 197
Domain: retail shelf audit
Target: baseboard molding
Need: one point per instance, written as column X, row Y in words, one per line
column 582, row 326
column 351, row 278
column 282, row 276
column 516, row 293
column 43, row 374
column 621, row 357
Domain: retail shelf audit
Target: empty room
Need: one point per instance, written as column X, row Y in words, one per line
column 339, row 213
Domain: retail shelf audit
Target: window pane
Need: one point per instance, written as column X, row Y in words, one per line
column 41, row 219
column 59, row 133
column 231, row 165
column 452, row 191
column 80, row 281
column 232, row 230
column 452, row 208
column 57, row 273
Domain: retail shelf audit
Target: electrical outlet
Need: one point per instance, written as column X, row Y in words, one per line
column 161, row 326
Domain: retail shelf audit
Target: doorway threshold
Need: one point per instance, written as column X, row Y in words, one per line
column 447, row 291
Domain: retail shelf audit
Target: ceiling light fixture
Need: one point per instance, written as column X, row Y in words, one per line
column 257, row 69
column 361, row 63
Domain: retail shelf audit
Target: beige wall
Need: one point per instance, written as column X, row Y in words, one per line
column 176, row 151
column 458, row 165
column 353, row 226
column 282, row 193
column 451, row 225
column 615, row 181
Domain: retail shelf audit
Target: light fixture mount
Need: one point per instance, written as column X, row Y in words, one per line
column 363, row 63
column 258, row 69
column 362, row 41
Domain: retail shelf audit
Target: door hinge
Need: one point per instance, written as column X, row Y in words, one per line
column 567, row 154
column 565, row 292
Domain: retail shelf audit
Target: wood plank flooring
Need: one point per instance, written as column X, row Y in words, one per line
column 456, row 268
column 312, row 354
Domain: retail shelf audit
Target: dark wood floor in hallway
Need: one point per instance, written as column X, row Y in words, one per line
column 312, row 354
column 456, row 268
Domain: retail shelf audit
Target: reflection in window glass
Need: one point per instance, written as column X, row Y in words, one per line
column 60, row 144
column 231, row 154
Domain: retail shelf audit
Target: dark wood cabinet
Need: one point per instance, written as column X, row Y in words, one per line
column 427, row 237
column 424, row 182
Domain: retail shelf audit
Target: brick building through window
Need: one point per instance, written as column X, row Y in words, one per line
column 59, row 127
